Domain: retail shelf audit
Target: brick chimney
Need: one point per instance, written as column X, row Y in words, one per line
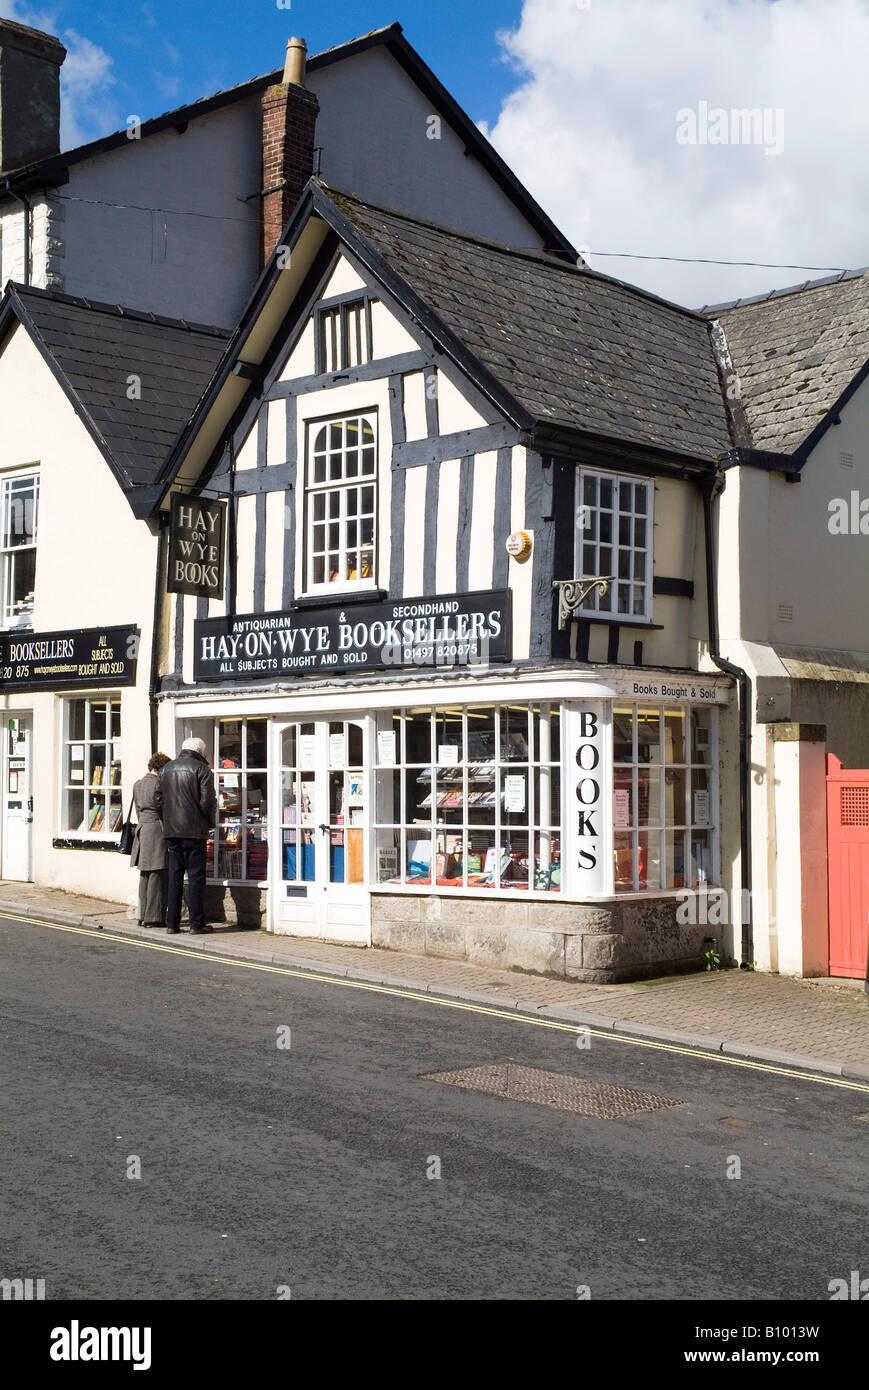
column 289, row 115
column 29, row 94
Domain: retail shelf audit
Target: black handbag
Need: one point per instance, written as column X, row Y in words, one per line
column 128, row 833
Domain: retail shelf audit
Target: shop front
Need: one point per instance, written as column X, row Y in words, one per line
column 532, row 820
column 75, row 735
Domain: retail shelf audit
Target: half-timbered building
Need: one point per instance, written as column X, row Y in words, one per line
column 459, row 690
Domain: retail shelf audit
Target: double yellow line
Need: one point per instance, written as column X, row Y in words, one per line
column 509, row 1016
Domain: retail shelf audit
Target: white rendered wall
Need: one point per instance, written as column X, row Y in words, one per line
column 95, row 568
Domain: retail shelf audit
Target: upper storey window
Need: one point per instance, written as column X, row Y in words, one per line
column 19, row 506
column 343, row 336
column 341, row 503
column 614, row 540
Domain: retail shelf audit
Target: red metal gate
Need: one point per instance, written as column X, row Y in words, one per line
column 848, row 871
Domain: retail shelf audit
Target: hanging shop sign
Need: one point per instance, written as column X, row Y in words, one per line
column 57, row 660
column 452, row 630
column 196, row 548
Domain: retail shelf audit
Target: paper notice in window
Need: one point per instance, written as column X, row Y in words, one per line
column 514, row 794
column 337, row 756
column 621, row 809
column 307, row 752
column 386, row 748
column 448, row 754
column 701, row 807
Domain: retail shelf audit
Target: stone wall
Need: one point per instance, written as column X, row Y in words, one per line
column 601, row 943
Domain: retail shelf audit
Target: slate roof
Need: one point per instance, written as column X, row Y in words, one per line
column 795, row 351
column 575, row 348
column 94, row 349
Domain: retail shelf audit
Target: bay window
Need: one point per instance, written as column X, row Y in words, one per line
column 665, row 796
column 469, row 797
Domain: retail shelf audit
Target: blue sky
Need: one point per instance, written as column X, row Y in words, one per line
column 162, row 54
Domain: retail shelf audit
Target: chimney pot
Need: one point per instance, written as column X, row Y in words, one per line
column 294, row 63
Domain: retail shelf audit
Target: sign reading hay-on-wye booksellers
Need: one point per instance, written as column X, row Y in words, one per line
column 196, row 549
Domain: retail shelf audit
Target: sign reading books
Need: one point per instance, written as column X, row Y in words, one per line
column 196, row 549
column 56, row 660
column 453, row 630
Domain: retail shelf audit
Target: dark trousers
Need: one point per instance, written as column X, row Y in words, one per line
column 186, row 856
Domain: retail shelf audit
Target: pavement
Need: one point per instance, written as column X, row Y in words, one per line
column 817, row 1025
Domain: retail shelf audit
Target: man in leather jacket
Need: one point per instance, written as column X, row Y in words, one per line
column 186, row 802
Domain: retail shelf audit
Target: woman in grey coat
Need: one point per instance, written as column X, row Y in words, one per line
column 149, row 848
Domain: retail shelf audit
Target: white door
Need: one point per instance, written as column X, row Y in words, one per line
column 320, row 863
column 18, row 798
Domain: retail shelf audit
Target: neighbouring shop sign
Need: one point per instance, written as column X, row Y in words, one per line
column 196, row 549
column 452, row 630
column 55, row 660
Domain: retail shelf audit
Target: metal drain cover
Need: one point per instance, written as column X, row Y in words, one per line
column 551, row 1088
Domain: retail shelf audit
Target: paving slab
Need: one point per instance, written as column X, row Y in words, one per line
column 820, row 1025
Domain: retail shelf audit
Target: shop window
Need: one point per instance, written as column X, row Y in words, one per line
column 469, row 797
column 665, row 797
column 341, row 504
column 614, row 539
column 19, row 507
column 91, row 764
column 238, row 751
column 343, row 338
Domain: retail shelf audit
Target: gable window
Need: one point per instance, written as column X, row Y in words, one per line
column 614, row 538
column 19, row 506
column 344, row 336
column 341, row 503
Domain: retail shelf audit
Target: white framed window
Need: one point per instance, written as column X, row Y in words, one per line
column 91, row 789
column 665, row 797
column 469, row 797
column 344, row 336
column 19, row 508
column 341, row 504
column 614, row 528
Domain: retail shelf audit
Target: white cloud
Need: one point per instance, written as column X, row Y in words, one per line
column 591, row 129
column 85, row 79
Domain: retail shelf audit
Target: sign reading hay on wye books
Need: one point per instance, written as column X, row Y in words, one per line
column 196, row 549
column 445, row 631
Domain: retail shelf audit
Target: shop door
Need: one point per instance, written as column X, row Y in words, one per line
column 848, row 872
column 319, row 869
column 18, row 799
